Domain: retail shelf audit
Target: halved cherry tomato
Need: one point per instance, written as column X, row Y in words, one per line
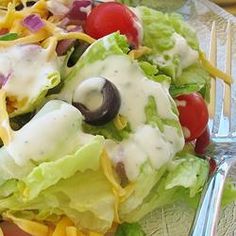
column 212, row 166
column 110, row 17
column 10, row 229
column 202, row 142
column 193, row 115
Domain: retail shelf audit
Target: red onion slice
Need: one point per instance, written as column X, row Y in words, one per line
column 33, row 23
column 66, row 44
column 80, row 9
column 4, row 79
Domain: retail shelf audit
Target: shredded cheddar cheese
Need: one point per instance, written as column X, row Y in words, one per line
column 120, row 122
column 108, row 171
column 137, row 53
column 61, row 227
column 75, row 35
column 31, row 227
column 215, row 72
column 71, row 231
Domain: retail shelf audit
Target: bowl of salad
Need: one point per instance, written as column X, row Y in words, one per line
column 103, row 116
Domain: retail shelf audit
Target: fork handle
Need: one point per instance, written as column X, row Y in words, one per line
column 206, row 218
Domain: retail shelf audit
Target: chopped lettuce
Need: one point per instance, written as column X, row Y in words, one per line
column 182, row 181
column 113, row 44
column 152, row 73
column 73, row 197
column 40, row 178
column 146, row 180
column 153, row 117
column 61, row 175
column 173, row 43
column 190, row 172
column 159, row 28
column 193, row 79
column 108, row 131
column 126, row 229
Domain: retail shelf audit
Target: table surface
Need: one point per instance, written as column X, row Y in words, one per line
column 228, row 5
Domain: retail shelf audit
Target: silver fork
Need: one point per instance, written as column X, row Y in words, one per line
column 223, row 148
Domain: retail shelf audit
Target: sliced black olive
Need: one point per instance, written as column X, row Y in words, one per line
column 79, row 49
column 20, row 6
column 110, row 104
column 18, row 122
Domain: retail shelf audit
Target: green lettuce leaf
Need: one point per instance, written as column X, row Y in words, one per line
column 63, row 186
column 152, row 73
column 153, row 117
column 41, row 177
column 193, row 79
column 73, row 197
column 55, row 143
column 126, row 229
column 160, row 33
column 159, row 28
column 108, row 131
column 190, row 172
column 182, row 181
column 146, row 180
column 113, row 44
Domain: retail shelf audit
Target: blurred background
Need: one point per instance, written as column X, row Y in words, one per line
column 228, row 5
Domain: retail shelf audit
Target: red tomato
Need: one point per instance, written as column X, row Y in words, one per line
column 10, row 229
column 212, row 166
column 193, row 115
column 110, row 17
column 202, row 142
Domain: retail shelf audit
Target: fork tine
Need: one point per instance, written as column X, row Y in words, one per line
column 228, row 70
column 213, row 60
column 217, row 88
column 232, row 89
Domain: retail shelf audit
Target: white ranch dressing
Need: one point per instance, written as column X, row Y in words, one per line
column 54, row 132
column 89, row 93
column 187, row 55
column 146, row 143
column 28, row 69
column 133, row 86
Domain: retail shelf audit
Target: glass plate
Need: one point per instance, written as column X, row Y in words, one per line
column 176, row 220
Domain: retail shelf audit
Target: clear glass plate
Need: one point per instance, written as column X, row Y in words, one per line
column 176, row 220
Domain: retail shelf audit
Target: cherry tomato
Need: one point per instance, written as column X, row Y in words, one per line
column 202, row 142
column 212, row 166
column 110, row 17
column 193, row 115
column 10, row 229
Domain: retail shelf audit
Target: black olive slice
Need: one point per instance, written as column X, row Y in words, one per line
column 21, row 6
column 109, row 106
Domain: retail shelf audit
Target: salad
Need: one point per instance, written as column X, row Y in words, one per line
column 103, row 116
